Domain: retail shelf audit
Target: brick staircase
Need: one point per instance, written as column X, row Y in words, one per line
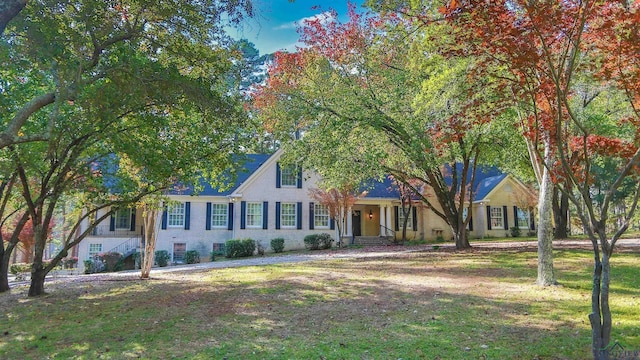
column 373, row 240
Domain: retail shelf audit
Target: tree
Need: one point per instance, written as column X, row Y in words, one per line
column 134, row 101
column 546, row 46
column 338, row 201
column 466, row 41
column 26, row 238
column 78, row 40
column 358, row 102
column 8, row 10
column 150, row 213
column 9, row 206
column 407, row 194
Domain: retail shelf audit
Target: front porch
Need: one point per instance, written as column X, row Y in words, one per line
column 369, row 225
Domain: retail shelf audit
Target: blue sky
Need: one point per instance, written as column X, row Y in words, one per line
column 274, row 28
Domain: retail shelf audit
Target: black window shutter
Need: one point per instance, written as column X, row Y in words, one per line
column 187, row 215
column 278, row 175
column 133, row 219
column 207, row 221
column 230, row 217
column 471, row 223
column 489, row 217
column 112, row 223
column 311, row 215
column 332, row 224
column 277, row 215
column 265, row 214
column 515, row 215
column 506, row 217
column 299, row 216
column 396, row 222
column 299, row 184
column 164, row 218
column 243, row 215
column 415, row 218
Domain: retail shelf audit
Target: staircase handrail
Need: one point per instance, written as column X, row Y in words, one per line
column 387, row 231
column 126, row 247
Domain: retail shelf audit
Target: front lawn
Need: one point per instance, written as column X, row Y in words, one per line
column 477, row 304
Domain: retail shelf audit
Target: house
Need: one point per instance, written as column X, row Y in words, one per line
column 270, row 201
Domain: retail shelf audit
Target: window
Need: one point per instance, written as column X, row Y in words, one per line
column 320, row 216
column 289, row 176
column 219, row 215
column 178, row 252
column 401, row 218
column 523, row 218
column 254, row 215
column 123, row 219
column 175, row 215
column 95, row 249
column 288, row 215
column 496, row 218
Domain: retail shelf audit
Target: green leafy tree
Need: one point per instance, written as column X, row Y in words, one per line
column 365, row 111
column 117, row 95
column 53, row 52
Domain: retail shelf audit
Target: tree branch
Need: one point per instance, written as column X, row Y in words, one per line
column 8, row 10
column 10, row 135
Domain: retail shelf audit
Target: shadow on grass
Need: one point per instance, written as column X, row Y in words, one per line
column 426, row 305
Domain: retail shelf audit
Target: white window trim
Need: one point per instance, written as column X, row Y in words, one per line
column 258, row 215
column 92, row 253
column 496, row 226
column 282, row 215
column 171, row 211
column 225, row 207
column 316, row 217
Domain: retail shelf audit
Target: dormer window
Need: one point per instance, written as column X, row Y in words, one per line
column 289, row 176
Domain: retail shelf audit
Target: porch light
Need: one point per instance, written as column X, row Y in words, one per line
column 370, row 215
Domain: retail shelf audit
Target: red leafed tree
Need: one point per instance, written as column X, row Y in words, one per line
column 338, row 201
column 408, row 191
column 354, row 93
column 554, row 53
column 26, row 239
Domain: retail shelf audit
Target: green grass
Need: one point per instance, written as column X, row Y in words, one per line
column 477, row 304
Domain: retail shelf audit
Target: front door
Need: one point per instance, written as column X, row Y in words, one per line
column 178, row 252
column 355, row 220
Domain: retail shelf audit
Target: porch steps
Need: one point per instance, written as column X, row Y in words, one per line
column 373, row 240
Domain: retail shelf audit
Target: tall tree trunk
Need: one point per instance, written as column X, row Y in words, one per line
column 600, row 317
column 38, row 271
column 37, row 280
column 460, row 237
column 546, row 275
column 4, row 270
column 150, row 219
column 560, row 214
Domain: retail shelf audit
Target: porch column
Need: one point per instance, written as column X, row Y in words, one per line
column 383, row 231
column 388, row 220
column 348, row 231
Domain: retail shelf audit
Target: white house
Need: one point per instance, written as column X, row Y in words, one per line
column 271, row 201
